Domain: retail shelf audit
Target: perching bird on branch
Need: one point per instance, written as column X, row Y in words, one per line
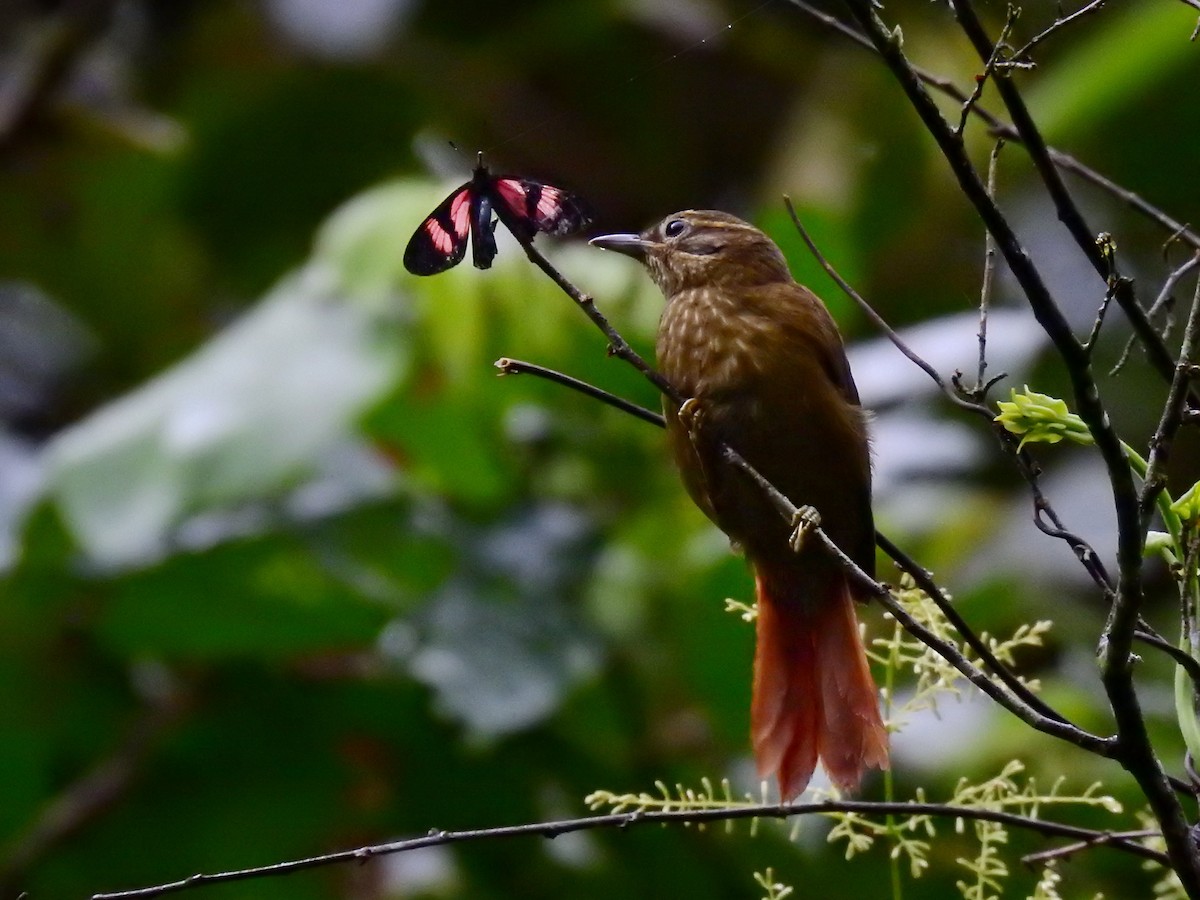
column 761, row 363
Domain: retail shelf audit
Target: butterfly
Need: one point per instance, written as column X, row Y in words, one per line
column 524, row 206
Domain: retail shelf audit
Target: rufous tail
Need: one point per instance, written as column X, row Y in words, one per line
column 814, row 697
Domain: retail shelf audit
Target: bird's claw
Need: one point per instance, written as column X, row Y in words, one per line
column 804, row 520
column 691, row 414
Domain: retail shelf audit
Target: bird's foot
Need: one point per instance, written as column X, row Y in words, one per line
column 804, row 520
column 691, row 414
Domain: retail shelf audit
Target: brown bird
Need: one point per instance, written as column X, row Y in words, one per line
column 761, row 364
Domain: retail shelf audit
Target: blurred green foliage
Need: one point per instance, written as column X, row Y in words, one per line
column 290, row 570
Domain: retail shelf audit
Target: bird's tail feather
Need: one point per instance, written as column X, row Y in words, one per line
column 814, row 697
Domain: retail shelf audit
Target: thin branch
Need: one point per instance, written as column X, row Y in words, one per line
column 1172, row 414
column 1189, row 663
column 1045, row 856
column 617, row 345
column 922, row 579
column 1112, row 281
column 438, row 838
column 1048, row 522
column 1166, row 293
column 989, row 69
column 518, row 367
column 879, row 322
column 1060, row 22
column 1135, row 201
column 1164, row 299
column 989, row 274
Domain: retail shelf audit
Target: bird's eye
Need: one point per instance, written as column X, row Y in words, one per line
column 675, row 228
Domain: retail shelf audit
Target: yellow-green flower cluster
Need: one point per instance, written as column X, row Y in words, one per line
column 1039, row 417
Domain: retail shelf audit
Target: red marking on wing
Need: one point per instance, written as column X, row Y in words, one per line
column 460, row 212
column 460, row 209
column 541, row 207
column 441, row 239
column 513, row 193
column 550, row 203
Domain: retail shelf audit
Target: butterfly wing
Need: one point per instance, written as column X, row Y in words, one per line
column 527, row 207
column 440, row 242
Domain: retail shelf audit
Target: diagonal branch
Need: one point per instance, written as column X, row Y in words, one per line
column 520, row 367
column 1125, row 842
column 1172, row 415
column 1058, row 23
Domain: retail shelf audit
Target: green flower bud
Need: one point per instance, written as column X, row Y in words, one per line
column 1187, row 507
column 1039, row 417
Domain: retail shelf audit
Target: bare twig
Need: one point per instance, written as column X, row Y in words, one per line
column 1058, row 23
column 1048, row 522
column 1045, row 856
column 878, row 320
column 1112, row 281
column 1172, row 414
column 989, row 69
column 1164, row 299
column 979, row 392
column 437, row 838
column 518, row 367
column 1189, row 663
column 617, row 345
column 922, row 579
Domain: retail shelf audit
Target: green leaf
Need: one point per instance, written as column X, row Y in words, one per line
column 249, row 415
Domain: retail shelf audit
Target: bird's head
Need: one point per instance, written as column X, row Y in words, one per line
column 702, row 248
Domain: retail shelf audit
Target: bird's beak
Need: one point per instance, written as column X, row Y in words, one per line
column 629, row 244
